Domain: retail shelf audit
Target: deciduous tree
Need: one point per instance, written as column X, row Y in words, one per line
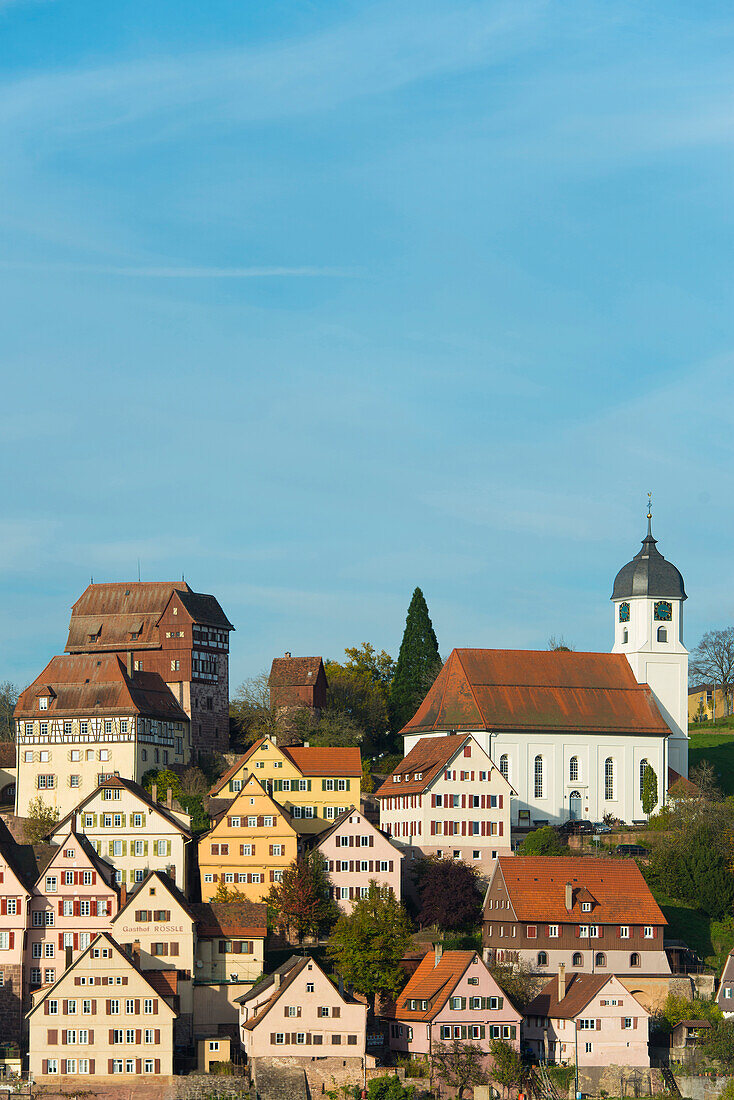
column 712, row 661
column 251, row 711
column 417, row 666
column 544, row 841
column 367, row 944
column 507, row 1067
column 40, row 821
column 300, row 902
column 450, row 894
column 8, row 700
column 459, row 1065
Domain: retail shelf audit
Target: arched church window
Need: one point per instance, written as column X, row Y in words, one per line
column 505, row 766
column 662, row 634
column 625, row 636
column 542, row 958
column 643, row 764
column 539, row 793
column 634, row 959
column 573, row 769
column 609, row 778
column 601, row 959
column 578, row 959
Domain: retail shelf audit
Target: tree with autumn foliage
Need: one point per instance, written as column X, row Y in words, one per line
column 450, row 894
column 300, row 904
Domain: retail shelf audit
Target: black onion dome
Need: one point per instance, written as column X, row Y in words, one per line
column 649, row 574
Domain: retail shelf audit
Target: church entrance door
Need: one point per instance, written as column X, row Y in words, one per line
column 575, row 806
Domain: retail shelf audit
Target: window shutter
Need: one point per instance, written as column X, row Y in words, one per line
column 138, row 1061
column 44, row 1065
column 11, row 939
column 619, row 932
column 157, row 1065
column 65, row 1006
column 91, row 1060
column 94, row 1011
column 155, row 1008
column 513, row 1032
column 52, row 1037
column 61, row 908
column 76, row 941
column 464, row 1034
column 578, row 931
column 336, row 1012
column 600, row 931
column 598, row 1025
column 45, row 1008
column 168, row 847
column 481, row 1031
column 500, row 1002
column 157, row 1037
column 145, row 847
column 109, row 1065
column 390, row 865
column 272, row 1038
column 112, row 1035
column 634, row 1021
column 107, row 1006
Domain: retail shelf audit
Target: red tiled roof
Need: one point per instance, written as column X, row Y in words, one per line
column 427, row 759
column 295, row 671
column 432, row 982
column 536, row 886
column 516, row 689
column 92, row 684
column 231, row 918
column 315, row 760
column 164, row 982
column 230, row 772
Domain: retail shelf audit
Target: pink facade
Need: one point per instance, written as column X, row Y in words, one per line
column 356, row 854
column 610, row 1028
column 452, row 995
column 72, row 901
column 14, row 897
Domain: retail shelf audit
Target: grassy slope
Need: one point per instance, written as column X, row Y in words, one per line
column 710, row 939
column 718, row 748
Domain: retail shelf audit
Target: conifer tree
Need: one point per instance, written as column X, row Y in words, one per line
column 417, row 666
column 649, row 790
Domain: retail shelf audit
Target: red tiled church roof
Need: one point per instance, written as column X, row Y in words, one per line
column 516, row 689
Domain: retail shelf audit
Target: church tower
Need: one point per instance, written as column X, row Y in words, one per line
column 648, row 600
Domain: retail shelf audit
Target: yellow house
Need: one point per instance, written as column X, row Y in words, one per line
column 249, row 846
column 315, row 785
column 703, row 699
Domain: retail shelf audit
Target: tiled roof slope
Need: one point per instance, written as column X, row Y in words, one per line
column 516, row 689
column 231, row 918
column 428, row 759
column 295, row 671
column 432, row 982
column 231, row 771
column 537, row 889
column 98, row 684
column 315, row 760
column 118, row 610
column 579, row 990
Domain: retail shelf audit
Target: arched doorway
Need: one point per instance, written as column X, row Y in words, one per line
column 574, row 805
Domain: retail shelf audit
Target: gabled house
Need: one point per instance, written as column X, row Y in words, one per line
column 297, row 1012
column 297, row 684
column 587, row 1020
column 315, row 785
column 101, row 1018
column 230, row 955
column 156, row 927
column 15, row 893
column 725, row 996
column 73, row 900
column 592, row 915
column 356, row 854
column 451, row 995
column 132, row 831
column 447, row 798
column 249, row 845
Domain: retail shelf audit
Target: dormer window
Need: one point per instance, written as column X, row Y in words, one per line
column 43, row 702
column 175, row 611
column 585, row 906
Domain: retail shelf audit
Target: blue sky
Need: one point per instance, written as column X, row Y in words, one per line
column 314, row 302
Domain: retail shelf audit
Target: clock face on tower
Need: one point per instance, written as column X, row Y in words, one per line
column 624, row 613
column 663, row 611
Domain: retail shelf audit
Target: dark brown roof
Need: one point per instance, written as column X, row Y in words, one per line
column 231, row 918
column 516, row 689
column 295, row 671
column 7, row 754
column 98, row 684
column 116, row 611
column 164, row 982
column 536, row 886
column 580, row 988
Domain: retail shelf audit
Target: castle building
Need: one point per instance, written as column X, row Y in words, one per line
column 574, row 733
column 87, row 718
column 168, row 629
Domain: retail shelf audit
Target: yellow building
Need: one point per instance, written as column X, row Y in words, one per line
column 249, row 846
column 702, row 699
column 315, row 785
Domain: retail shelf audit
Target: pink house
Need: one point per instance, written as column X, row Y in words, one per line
column 73, row 899
column 452, row 995
column 15, row 892
column 589, row 1020
column 297, row 1012
column 356, row 854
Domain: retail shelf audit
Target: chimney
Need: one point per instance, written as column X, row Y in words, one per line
column 130, row 663
column 561, row 981
column 276, row 980
column 569, row 896
column 69, row 957
column 123, row 895
column 154, row 792
column 169, row 798
column 136, row 952
column 437, row 953
column 287, row 653
column 341, row 985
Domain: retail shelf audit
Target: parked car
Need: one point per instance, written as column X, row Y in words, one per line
column 576, row 828
column 631, row 850
column 600, row 827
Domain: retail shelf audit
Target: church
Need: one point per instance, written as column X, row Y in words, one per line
column 573, row 733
